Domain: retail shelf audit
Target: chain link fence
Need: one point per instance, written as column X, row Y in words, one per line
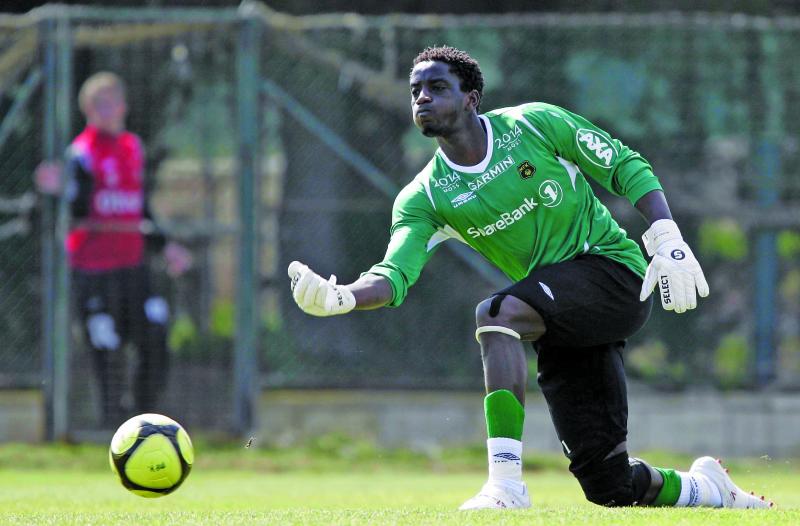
column 181, row 90
column 710, row 101
column 20, row 147
column 707, row 99
column 180, row 80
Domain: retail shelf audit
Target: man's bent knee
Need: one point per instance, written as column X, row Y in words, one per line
column 618, row 480
column 608, row 482
column 510, row 313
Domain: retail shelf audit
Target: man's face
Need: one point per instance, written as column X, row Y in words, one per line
column 107, row 110
column 437, row 103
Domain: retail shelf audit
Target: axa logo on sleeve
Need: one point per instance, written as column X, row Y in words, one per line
column 506, row 219
column 595, row 147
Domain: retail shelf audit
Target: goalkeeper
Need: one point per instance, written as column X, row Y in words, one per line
column 511, row 184
column 104, row 182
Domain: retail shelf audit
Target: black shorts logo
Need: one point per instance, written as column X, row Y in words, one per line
column 526, row 170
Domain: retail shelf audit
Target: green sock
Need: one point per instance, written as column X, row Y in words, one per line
column 671, row 489
column 504, row 415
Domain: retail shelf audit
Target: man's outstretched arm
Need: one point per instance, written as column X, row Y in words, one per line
column 371, row 292
column 414, row 224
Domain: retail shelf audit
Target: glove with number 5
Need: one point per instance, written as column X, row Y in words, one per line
column 673, row 268
column 317, row 296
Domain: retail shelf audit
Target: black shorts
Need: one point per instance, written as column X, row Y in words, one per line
column 590, row 306
column 118, row 306
column 587, row 301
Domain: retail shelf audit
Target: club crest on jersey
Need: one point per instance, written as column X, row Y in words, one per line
column 595, row 147
column 526, row 170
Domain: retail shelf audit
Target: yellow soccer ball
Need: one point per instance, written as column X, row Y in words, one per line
column 151, row 454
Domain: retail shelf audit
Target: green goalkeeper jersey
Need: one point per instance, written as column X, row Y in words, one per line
column 526, row 205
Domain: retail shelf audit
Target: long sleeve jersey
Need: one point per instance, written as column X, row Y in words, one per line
column 526, row 205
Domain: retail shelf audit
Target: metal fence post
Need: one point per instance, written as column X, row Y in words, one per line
column 55, row 222
column 61, row 328
column 245, row 366
column 768, row 166
column 48, row 243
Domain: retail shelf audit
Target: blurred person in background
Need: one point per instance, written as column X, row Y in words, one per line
column 511, row 183
column 112, row 229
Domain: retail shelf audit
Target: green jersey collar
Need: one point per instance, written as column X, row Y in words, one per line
column 481, row 166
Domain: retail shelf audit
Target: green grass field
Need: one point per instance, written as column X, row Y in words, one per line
column 71, row 486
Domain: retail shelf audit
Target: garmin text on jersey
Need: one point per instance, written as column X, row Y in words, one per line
column 491, row 174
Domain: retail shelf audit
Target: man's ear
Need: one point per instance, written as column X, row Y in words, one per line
column 473, row 99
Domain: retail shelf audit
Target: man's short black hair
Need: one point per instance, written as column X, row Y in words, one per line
column 461, row 64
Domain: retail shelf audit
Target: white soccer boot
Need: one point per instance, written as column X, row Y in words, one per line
column 498, row 495
column 732, row 495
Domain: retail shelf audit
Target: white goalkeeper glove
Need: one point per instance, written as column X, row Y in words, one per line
column 317, row 296
column 673, row 268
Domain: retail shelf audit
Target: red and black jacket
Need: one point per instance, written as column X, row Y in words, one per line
column 108, row 200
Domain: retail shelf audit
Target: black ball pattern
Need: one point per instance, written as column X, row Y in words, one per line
column 147, row 429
